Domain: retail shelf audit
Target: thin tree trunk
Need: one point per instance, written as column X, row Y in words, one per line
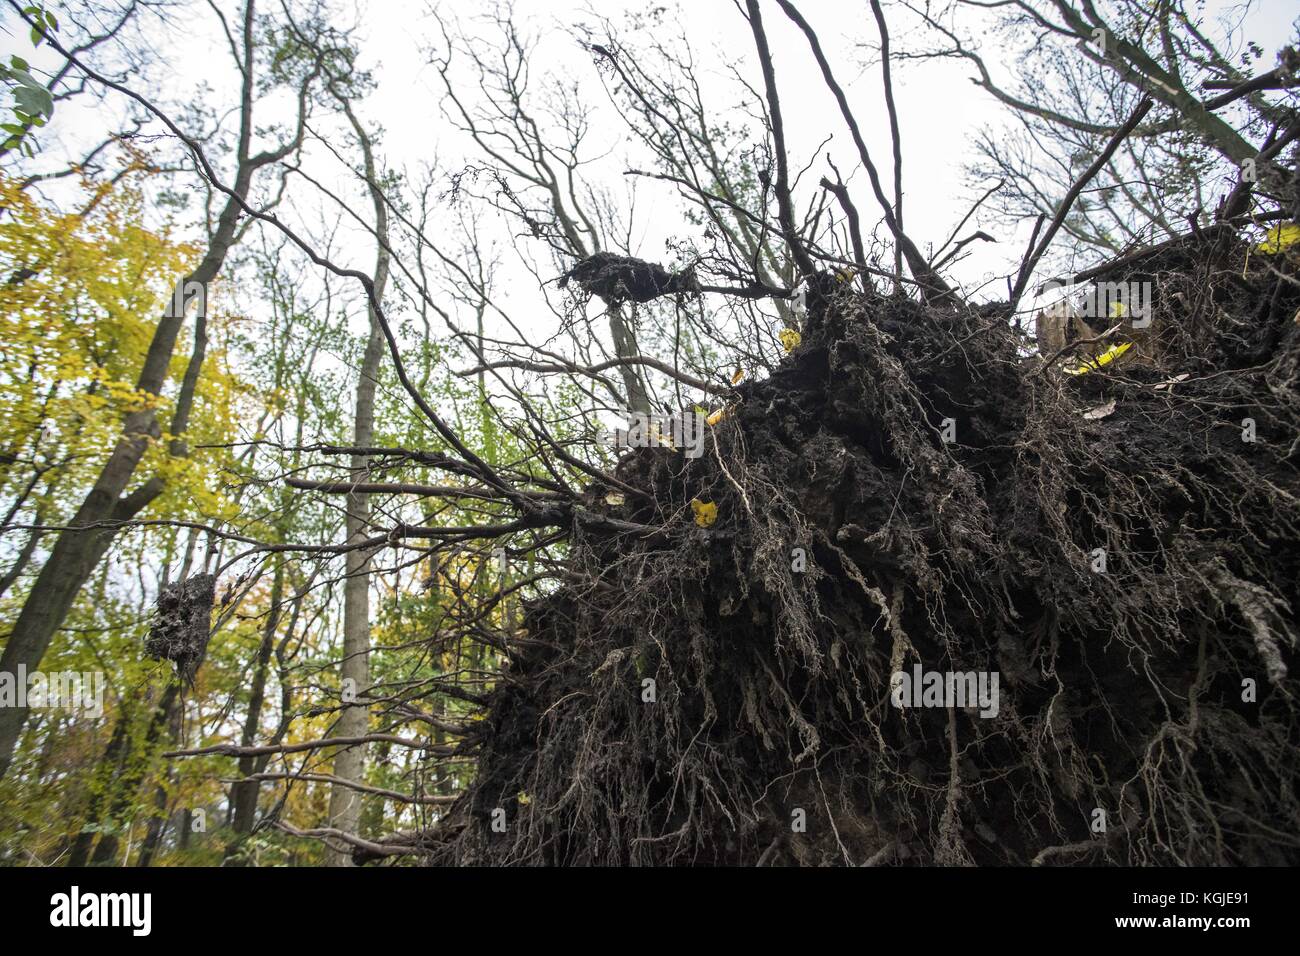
column 157, row 825
column 349, row 764
column 128, row 787
column 79, row 549
column 244, row 795
column 621, row 331
column 108, row 769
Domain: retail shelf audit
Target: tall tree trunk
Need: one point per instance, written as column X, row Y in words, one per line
column 78, row 550
column 349, row 764
column 107, row 771
column 110, row 805
column 158, row 823
column 621, row 331
column 244, row 793
column 128, row 788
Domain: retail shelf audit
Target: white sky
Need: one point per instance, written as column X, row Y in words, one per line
column 939, row 108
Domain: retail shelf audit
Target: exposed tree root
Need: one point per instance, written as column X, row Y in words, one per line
column 1121, row 693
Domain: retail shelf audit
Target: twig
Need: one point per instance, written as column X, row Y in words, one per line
column 1027, row 267
column 782, row 186
column 894, row 136
column 925, row 276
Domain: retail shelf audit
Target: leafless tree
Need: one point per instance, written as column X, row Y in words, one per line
column 1076, row 71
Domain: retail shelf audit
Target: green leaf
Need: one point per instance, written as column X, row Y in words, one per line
column 35, row 102
column 19, row 63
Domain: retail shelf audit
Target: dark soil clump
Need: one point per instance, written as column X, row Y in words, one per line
column 181, row 626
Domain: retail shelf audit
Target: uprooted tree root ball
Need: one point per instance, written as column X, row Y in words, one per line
column 722, row 695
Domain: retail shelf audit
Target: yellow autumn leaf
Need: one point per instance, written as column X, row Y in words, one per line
column 719, row 415
column 737, row 375
column 1105, row 358
column 790, row 338
column 1280, row 238
column 706, row 512
column 524, row 799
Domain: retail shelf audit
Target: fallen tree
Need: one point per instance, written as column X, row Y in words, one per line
column 1121, row 548
column 928, row 596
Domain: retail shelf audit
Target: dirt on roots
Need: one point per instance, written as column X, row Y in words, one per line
column 1146, row 712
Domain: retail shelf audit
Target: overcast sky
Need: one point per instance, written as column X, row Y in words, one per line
column 939, row 108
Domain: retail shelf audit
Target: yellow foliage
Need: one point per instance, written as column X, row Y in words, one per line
column 85, row 292
column 706, row 512
column 1280, row 238
column 1105, row 358
column 662, row 440
column 790, row 338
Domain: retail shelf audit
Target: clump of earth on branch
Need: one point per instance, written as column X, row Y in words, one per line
column 182, row 624
column 1128, row 571
column 619, row 278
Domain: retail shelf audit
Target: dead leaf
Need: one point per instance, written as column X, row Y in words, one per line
column 1101, row 411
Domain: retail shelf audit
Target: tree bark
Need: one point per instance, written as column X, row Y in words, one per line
column 78, row 549
column 349, row 764
column 244, row 793
column 128, row 787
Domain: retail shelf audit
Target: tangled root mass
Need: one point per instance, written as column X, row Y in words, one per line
column 1147, row 711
